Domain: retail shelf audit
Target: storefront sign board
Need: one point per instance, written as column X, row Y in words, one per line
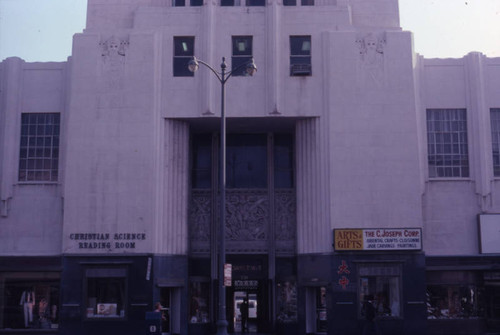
column 382, row 239
column 489, row 233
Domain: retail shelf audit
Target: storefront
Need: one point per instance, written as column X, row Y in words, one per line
column 381, row 270
column 30, row 294
column 105, row 294
column 463, row 295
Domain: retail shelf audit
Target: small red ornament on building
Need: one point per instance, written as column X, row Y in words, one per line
column 343, row 281
column 343, row 268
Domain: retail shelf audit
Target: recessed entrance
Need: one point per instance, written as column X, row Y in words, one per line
column 247, row 299
column 245, row 305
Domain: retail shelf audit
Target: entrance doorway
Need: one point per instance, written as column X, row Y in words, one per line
column 245, row 311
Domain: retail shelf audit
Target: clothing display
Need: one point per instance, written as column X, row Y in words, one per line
column 27, row 301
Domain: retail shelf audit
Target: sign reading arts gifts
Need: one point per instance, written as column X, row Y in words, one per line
column 396, row 239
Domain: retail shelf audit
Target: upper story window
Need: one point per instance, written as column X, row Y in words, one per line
column 447, row 143
column 242, row 54
column 249, row 3
column 182, row 3
column 246, row 160
column 495, row 139
column 183, row 52
column 39, row 149
column 300, row 56
column 294, row 2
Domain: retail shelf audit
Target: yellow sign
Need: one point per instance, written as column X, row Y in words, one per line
column 394, row 239
column 348, row 239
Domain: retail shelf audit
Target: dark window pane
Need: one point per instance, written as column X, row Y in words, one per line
column 242, row 54
column 300, row 56
column 246, row 159
column 289, row 2
column 202, row 161
column 238, row 65
column 255, row 2
column 227, row 2
column 183, row 53
column 283, row 161
column 181, row 67
column 307, row 2
column 178, row 3
column 242, row 45
column 196, row 3
column 300, row 45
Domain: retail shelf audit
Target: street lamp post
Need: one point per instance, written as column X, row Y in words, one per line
column 223, row 77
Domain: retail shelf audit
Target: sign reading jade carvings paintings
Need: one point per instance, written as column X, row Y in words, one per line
column 378, row 239
column 107, row 241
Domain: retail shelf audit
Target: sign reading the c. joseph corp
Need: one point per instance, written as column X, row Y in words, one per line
column 377, row 239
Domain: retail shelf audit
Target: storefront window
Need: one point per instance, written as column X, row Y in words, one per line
column 287, row 302
column 29, row 300
column 199, row 302
column 106, row 293
column 453, row 302
column 380, row 286
column 321, row 315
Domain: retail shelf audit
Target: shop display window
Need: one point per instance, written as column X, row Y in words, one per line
column 287, row 302
column 380, row 287
column 106, row 293
column 453, row 302
column 29, row 300
column 198, row 309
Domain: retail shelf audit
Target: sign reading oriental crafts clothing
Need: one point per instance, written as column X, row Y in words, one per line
column 378, row 239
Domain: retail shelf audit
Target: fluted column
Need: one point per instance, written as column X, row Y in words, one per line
column 172, row 232
column 313, row 228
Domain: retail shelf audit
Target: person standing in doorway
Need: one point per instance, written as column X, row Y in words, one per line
column 244, row 315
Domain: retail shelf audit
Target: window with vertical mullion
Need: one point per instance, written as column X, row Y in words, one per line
column 300, row 56
column 447, row 143
column 39, row 147
column 242, row 54
column 183, row 53
column 495, row 139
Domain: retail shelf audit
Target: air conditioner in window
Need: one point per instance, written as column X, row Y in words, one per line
column 300, row 69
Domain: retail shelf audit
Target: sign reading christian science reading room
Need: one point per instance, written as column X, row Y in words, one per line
column 378, row 239
column 106, row 241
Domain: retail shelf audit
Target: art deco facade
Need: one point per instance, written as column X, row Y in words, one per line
column 357, row 170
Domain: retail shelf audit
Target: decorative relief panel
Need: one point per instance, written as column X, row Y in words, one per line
column 113, row 52
column 200, row 216
column 247, row 215
column 248, row 220
column 371, row 67
column 285, row 215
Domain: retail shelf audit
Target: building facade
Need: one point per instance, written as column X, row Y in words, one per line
column 359, row 173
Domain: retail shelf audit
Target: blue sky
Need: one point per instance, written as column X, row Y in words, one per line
column 42, row 30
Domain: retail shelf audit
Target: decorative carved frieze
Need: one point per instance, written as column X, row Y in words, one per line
column 285, row 215
column 248, row 220
column 200, row 216
column 247, row 215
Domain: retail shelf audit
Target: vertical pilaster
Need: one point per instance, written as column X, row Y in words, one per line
column 174, row 231
column 274, row 56
column 12, row 104
column 313, row 228
column 478, row 114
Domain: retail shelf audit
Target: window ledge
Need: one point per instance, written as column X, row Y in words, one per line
column 467, row 179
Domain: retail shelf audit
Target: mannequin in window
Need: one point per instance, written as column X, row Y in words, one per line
column 27, row 301
column 43, row 314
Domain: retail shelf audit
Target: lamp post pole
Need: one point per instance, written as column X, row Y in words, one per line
column 223, row 77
